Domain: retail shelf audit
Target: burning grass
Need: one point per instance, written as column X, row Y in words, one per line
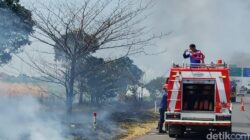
column 119, row 121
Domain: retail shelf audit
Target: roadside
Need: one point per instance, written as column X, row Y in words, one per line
column 136, row 124
column 240, row 126
column 116, row 121
column 136, row 129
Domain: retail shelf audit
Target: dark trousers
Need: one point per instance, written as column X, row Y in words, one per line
column 161, row 121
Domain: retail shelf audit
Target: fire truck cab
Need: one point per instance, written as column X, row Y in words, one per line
column 198, row 99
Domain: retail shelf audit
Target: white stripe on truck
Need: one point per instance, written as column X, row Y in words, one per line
column 221, row 87
column 174, row 94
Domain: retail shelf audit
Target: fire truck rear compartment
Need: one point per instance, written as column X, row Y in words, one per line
column 198, row 95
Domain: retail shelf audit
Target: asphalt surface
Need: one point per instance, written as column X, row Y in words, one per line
column 240, row 120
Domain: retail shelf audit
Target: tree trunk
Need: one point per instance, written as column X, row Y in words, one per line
column 80, row 98
column 91, row 99
column 69, row 101
column 70, row 87
column 81, row 93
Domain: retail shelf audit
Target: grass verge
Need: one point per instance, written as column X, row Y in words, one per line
column 136, row 129
column 145, row 122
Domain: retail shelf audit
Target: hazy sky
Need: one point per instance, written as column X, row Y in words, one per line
column 220, row 28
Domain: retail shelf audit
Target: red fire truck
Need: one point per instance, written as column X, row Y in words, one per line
column 198, row 99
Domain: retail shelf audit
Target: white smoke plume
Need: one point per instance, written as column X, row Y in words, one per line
column 218, row 27
column 23, row 118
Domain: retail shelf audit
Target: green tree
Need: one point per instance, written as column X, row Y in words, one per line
column 16, row 25
column 155, row 86
column 102, row 81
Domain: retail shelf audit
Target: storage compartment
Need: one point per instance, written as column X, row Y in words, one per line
column 198, row 95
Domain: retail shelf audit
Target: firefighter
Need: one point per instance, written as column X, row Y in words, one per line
column 196, row 56
column 162, row 109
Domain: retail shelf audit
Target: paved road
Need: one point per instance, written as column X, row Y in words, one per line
column 241, row 125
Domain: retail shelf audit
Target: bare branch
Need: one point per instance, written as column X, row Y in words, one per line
column 76, row 31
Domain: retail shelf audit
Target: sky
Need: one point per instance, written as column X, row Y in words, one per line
column 219, row 28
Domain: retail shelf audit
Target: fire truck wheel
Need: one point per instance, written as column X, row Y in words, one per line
column 175, row 131
column 166, row 128
column 171, row 132
column 181, row 133
column 171, row 135
column 175, row 135
column 229, row 129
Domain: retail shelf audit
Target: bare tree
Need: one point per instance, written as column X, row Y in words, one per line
column 76, row 30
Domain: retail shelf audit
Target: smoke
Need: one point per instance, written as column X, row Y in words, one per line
column 23, row 118
column 240, row 59
column 219, row 28
column 215, row 26
column 81, row 125
column 109, row 118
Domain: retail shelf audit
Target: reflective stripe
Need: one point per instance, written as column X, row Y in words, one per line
column 220, row 86
column 189, row 122
column 174, row 95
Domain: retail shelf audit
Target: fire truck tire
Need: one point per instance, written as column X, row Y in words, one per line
column 171, row 135
column 175, row 131
column 229, row 129
column 175, row 135
column 171, row 131
column 181, row 133
column 166, row 128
